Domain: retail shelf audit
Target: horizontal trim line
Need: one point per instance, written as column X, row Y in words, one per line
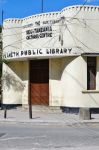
column 90, row 91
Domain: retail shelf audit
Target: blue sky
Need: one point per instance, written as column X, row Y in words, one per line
column 23, row 8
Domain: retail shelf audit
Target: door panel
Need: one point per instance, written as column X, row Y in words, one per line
column 39, row 82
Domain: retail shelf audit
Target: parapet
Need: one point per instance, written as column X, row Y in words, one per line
column 13, row 20
column 86, row 8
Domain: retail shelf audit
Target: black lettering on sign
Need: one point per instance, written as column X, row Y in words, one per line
column 27, row 37
column 57, row 51
column 65, row 50
column 70, row 49
column 61, row 51
column 37, row 23
column 29, row 52
column 17, row 53
column 53, row 51
column 33, row 52
column 47, row 51
column 41, row 32
column 40, row 51
column 28, row 32
column 25, row 52
column 21, row 53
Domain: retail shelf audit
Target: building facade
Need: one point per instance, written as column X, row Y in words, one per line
column 52, row 58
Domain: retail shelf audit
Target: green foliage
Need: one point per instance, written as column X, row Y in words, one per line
column 3, row 61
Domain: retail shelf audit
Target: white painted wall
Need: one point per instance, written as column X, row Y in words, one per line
column 68, row 80
column 81, row 29
column 15, row 83
column 12, row 35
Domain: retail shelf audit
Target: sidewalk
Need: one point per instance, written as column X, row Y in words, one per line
column 21, row 115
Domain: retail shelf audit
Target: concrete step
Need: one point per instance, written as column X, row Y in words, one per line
column 56, row 109
column 53, row 109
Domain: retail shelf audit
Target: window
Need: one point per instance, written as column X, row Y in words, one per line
column 91, row 73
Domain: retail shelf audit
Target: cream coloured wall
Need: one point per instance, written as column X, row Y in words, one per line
column 12, row 35
column 55, row 89
column 15, row 83
column 68, row 83
column 25, row 79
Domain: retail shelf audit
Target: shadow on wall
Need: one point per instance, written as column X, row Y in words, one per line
column 9, row 81
column 58, row 66
column 20, row 68
column 15, row 75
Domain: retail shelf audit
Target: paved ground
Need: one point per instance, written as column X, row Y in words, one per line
column 47, row 131
column 48, row 137
column 21, row 115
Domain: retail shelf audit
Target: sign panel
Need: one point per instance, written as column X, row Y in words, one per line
column 39, row 53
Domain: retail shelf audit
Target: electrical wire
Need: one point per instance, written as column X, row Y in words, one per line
column 89, row 48
column 78, row 11
column 28, row 43
column 89, row 27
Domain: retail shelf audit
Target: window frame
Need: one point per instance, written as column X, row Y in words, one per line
column 91, row 73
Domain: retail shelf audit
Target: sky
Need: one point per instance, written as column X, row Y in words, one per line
column 24, row 8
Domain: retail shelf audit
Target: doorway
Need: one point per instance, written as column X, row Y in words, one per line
column 39, row 82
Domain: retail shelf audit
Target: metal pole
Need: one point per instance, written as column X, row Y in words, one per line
column 2, row 16
column 5, row 112
column 29, row 97
column 30, row 111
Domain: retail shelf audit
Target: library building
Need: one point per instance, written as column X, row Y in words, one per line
column 52, row 59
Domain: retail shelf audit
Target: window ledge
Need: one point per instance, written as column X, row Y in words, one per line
column 90, row 91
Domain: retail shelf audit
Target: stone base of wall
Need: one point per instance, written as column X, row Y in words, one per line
column 69, row 109
column 84, row 114
column 10, row 106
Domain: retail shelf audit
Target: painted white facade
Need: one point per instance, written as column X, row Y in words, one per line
column 62, row 37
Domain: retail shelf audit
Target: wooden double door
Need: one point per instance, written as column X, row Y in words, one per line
column 39, row 82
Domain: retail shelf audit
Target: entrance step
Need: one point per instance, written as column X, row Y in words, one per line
column 50, row 109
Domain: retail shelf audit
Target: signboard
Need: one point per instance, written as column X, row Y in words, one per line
column 40, row 29
column 38, row 53
column 41, row 32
